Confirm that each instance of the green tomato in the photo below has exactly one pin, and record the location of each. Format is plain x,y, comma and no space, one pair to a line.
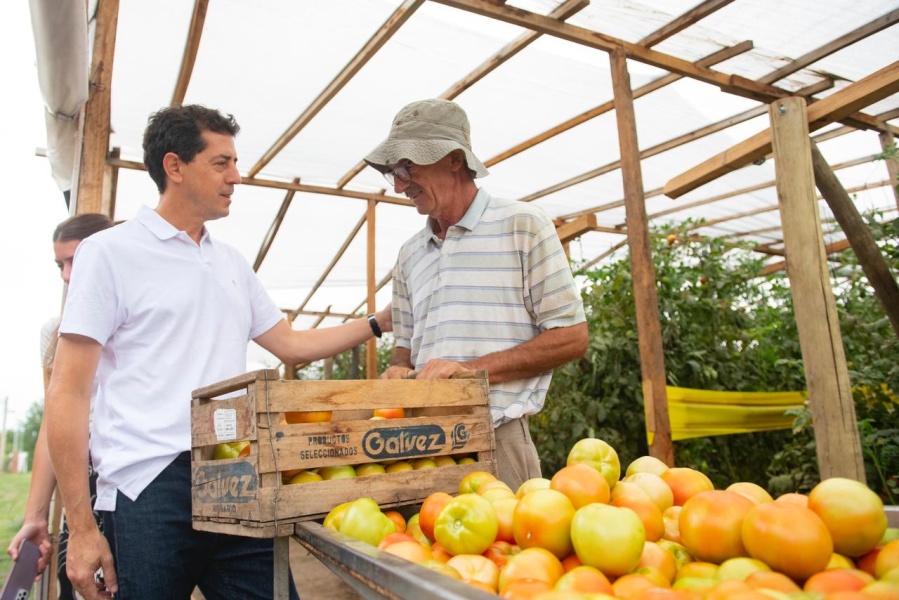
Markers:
467,525
364,521
608,538
333,519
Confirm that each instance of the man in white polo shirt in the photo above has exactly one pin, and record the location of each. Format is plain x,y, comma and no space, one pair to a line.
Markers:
486,283
157,309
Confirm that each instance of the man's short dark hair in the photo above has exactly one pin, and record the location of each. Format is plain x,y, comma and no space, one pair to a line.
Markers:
179,129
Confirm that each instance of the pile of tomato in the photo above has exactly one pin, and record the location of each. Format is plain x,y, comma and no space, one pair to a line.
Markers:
657,533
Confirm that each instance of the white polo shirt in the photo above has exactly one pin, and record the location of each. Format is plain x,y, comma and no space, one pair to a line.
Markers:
172,316
499,279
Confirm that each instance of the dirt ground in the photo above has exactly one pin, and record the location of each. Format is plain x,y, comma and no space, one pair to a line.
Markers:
314,580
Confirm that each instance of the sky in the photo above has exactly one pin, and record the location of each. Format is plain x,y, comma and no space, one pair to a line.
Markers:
32,206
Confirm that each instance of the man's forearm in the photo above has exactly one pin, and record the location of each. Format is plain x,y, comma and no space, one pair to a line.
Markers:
550,349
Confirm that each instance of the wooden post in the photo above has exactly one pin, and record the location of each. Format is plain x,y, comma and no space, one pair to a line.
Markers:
371,347
826,374
649,330
888,141
859,235
282,568
91,167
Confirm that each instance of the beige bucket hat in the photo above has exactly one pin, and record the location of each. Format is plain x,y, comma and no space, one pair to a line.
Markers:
424,132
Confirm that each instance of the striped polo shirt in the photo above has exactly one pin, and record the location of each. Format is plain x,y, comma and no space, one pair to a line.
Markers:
498,279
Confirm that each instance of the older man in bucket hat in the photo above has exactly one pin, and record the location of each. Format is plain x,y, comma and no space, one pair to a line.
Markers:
485,285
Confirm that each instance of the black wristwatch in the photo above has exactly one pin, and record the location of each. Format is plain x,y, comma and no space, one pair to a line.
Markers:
375,328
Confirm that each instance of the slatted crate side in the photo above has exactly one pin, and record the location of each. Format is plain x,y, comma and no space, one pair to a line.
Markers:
233,384
309,395
311,445
204,413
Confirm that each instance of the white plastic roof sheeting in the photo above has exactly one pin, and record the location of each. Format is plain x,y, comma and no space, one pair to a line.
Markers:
266,61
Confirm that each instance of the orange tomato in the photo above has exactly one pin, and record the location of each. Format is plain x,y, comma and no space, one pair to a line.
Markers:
475,567
657,557
793,498
584,580
837,580
542,518
389,413
430,508
314,416
853,514
571,561
524,589
655,487
771,580
392,538
788,538
671,523
412,551
397,518
582,484
531,563
631,584
887,559
505,515
630,495
686,483
711,522
439,553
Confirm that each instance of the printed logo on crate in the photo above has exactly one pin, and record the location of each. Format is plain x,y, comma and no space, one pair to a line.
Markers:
232,483
417,440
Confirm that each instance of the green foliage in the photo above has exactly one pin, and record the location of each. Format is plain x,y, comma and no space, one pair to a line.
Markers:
351,364
723,328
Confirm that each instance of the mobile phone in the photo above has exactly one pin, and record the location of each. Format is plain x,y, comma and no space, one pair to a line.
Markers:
21,578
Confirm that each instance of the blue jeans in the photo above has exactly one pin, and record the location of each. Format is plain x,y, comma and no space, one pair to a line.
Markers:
158,554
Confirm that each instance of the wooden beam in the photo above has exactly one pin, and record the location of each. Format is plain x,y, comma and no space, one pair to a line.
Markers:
649,330
888,144
859,234
371,47
836,45
191,47
91,166
371,346
561,12
649,152
274,227
285,185
657,84
691,17
827,376
835,107
575,229
829,249
110,185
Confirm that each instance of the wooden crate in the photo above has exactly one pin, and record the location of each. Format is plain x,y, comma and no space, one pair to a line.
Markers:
246,496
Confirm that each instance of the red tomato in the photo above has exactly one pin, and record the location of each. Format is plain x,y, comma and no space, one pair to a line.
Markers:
853,514
542,518
788,538
711,522
466,525
430,508
500,552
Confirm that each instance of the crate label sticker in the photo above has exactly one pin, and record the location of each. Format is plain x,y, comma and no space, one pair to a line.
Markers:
225,424
417,440
233,483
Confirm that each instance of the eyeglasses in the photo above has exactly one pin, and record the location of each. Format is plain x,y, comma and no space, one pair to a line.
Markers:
400,172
